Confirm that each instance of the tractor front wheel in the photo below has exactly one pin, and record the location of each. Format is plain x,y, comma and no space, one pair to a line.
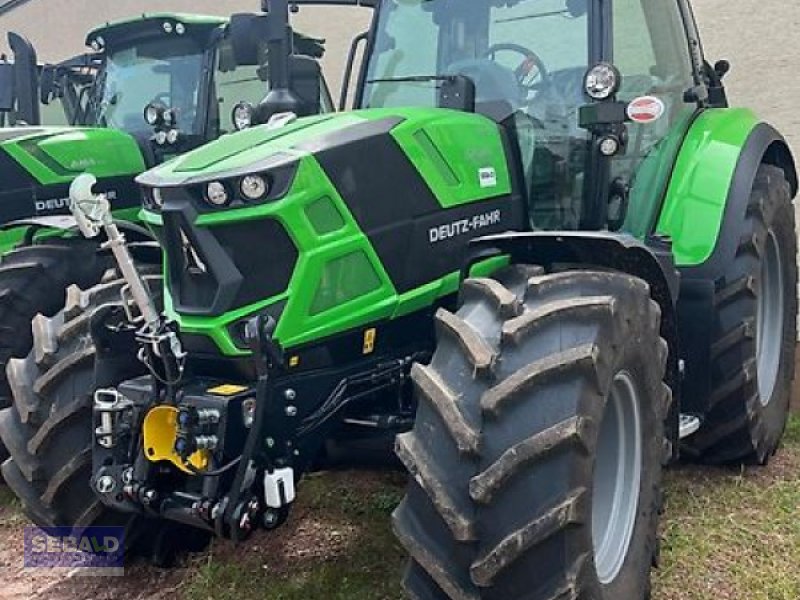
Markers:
536,455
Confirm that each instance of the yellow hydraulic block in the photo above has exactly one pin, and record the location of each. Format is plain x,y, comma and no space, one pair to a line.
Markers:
160,432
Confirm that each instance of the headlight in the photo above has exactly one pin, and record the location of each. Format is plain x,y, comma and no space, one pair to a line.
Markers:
153,114
217,194
242,115
602,81
160,137
172,136
254,187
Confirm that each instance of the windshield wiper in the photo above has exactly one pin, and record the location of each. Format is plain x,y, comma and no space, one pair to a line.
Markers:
414,79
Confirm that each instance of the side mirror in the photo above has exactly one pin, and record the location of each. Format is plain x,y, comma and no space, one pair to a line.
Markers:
6,87
47,84
247,33
305,76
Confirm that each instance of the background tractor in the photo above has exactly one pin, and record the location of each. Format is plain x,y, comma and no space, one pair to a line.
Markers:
152,87
542,256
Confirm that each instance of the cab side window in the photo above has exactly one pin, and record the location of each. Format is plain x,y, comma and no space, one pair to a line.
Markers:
651,51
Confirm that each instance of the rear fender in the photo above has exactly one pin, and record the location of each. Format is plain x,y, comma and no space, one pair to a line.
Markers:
712,179
703,215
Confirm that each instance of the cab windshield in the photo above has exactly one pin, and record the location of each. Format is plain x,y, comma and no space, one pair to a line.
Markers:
133,77
527,59
509,49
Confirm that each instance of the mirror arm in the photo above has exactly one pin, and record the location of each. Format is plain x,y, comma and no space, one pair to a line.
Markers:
348,70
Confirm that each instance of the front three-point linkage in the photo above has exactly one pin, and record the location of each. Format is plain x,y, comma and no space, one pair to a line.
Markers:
161,349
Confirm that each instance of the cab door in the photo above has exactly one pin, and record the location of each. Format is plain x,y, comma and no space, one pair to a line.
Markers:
651,50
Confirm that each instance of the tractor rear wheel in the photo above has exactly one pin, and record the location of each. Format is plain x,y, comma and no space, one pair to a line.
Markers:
536,455
48,429
752,356
34,280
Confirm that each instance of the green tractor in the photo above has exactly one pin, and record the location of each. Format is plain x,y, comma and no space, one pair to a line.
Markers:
152,87
542,257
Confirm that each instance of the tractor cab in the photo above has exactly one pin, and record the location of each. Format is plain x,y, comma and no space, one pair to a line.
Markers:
172,81
541,68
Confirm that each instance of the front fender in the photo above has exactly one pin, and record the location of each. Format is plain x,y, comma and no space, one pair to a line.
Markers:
712,178
651,261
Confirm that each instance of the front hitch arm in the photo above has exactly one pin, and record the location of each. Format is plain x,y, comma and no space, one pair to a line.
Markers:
92,213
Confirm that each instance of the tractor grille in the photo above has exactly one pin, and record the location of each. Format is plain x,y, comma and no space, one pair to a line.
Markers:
263,253
217,269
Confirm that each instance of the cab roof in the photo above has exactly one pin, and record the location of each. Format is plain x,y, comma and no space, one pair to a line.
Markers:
148,24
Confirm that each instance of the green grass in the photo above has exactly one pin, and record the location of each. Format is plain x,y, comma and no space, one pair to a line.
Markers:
728,535
338,546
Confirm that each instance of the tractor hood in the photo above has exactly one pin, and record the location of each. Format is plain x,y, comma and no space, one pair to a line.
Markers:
249,150
39,163
361,216
426,135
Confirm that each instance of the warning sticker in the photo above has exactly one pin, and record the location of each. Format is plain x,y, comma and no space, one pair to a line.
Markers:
226,389
645,109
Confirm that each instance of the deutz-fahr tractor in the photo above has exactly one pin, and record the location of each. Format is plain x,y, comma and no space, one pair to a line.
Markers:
151,88
542,256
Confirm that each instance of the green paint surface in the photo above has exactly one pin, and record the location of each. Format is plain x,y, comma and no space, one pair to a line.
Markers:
339,282
58,155
698,191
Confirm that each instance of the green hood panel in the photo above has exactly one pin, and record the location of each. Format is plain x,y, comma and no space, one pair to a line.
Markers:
57,155
441,144
345,276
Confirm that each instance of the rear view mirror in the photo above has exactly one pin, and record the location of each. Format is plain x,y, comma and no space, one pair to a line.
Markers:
247,33
6,87
47,84
305,76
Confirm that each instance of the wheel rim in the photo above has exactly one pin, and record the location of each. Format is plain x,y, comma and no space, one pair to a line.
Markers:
617,478
769,320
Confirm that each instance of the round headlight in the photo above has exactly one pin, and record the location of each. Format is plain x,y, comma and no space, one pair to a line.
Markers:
242,115
180,29
160,137
602,81
609,145
217,194
254,187
172,136
167,27
153,113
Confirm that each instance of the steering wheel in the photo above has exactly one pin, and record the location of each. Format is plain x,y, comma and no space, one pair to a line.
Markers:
531,72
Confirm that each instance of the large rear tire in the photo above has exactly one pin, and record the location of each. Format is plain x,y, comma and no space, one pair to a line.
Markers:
537,450
34,280
755,332
48,429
